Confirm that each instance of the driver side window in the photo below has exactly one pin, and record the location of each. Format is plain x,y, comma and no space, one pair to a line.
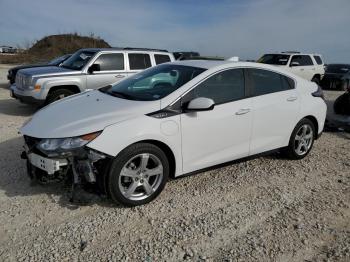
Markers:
223,87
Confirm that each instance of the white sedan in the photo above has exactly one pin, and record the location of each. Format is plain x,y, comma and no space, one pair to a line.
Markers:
130,138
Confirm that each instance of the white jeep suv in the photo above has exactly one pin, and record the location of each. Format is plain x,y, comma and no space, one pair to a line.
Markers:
171,120
308,66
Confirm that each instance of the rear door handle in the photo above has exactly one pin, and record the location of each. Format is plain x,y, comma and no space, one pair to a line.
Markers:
292,98
119,76
243,111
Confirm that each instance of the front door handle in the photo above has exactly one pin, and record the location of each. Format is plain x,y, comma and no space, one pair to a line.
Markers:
119,76
243,111
292,98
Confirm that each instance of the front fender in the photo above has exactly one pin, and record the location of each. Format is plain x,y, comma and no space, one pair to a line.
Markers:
117,137
47,84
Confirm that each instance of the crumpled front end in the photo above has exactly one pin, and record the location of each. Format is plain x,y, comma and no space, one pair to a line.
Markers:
50,161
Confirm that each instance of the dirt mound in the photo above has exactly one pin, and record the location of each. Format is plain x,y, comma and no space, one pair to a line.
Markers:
54,45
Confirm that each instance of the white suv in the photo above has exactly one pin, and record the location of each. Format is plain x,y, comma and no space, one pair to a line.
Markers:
171,120
308,66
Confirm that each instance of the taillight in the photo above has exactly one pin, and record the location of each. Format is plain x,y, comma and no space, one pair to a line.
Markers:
318,92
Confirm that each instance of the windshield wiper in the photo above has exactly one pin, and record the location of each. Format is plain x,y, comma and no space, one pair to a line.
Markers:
121,95
104,89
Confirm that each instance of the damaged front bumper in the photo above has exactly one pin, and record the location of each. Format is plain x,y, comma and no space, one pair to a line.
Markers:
81,165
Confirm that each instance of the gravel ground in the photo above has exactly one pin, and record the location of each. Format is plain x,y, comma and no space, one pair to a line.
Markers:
266,209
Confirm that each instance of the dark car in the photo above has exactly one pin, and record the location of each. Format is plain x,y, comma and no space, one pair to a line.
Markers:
185,55
333,76
11,76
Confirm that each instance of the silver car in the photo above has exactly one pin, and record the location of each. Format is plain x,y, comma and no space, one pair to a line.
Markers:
86,69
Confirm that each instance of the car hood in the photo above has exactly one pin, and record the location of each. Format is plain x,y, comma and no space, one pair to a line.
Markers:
16,68
334,75
48,71
83,114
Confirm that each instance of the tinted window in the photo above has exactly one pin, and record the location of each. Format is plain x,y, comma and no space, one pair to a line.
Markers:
272,59
318,59
303,60
265,82
222,88
161,59
139,61
110,62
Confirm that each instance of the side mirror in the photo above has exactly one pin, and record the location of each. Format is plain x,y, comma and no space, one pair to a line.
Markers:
200,104
294,64
94,68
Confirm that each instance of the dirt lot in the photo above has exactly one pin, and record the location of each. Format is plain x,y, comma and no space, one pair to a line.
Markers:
266,209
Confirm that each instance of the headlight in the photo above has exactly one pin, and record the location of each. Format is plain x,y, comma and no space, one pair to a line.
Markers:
64,144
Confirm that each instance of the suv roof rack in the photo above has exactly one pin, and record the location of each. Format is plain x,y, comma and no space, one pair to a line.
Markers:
290,52
145,49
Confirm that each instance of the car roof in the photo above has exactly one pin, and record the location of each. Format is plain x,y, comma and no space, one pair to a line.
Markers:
291,53
128,49
207,64
210,64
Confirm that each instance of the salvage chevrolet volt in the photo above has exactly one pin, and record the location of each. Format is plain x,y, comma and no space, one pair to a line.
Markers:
173,119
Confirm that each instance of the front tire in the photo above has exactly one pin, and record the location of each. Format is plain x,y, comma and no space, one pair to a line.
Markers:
316,79
138,175
58,94
301,140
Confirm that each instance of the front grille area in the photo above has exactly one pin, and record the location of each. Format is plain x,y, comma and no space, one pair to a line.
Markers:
22,81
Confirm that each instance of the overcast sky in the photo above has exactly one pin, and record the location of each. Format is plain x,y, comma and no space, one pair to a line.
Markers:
245,28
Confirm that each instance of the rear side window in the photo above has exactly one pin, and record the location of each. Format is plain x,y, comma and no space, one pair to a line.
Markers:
318,59
139,61
302,60
266,82
274,59
110,62
223,87
161,59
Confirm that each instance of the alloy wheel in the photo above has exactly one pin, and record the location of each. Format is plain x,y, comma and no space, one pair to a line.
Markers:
141,176
303,139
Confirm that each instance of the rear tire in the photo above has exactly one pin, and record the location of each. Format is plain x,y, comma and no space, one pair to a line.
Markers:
137,175
301,140
58,94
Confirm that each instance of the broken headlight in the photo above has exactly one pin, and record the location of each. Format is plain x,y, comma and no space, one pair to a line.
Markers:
52,144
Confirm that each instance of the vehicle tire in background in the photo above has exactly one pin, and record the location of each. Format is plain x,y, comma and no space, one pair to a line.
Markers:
341,105
316,79
58,94
301,140
138,174
344,85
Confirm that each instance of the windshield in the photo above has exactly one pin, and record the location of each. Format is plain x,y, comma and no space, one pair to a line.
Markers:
58,60
154,83
339,69
274,59
78,60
